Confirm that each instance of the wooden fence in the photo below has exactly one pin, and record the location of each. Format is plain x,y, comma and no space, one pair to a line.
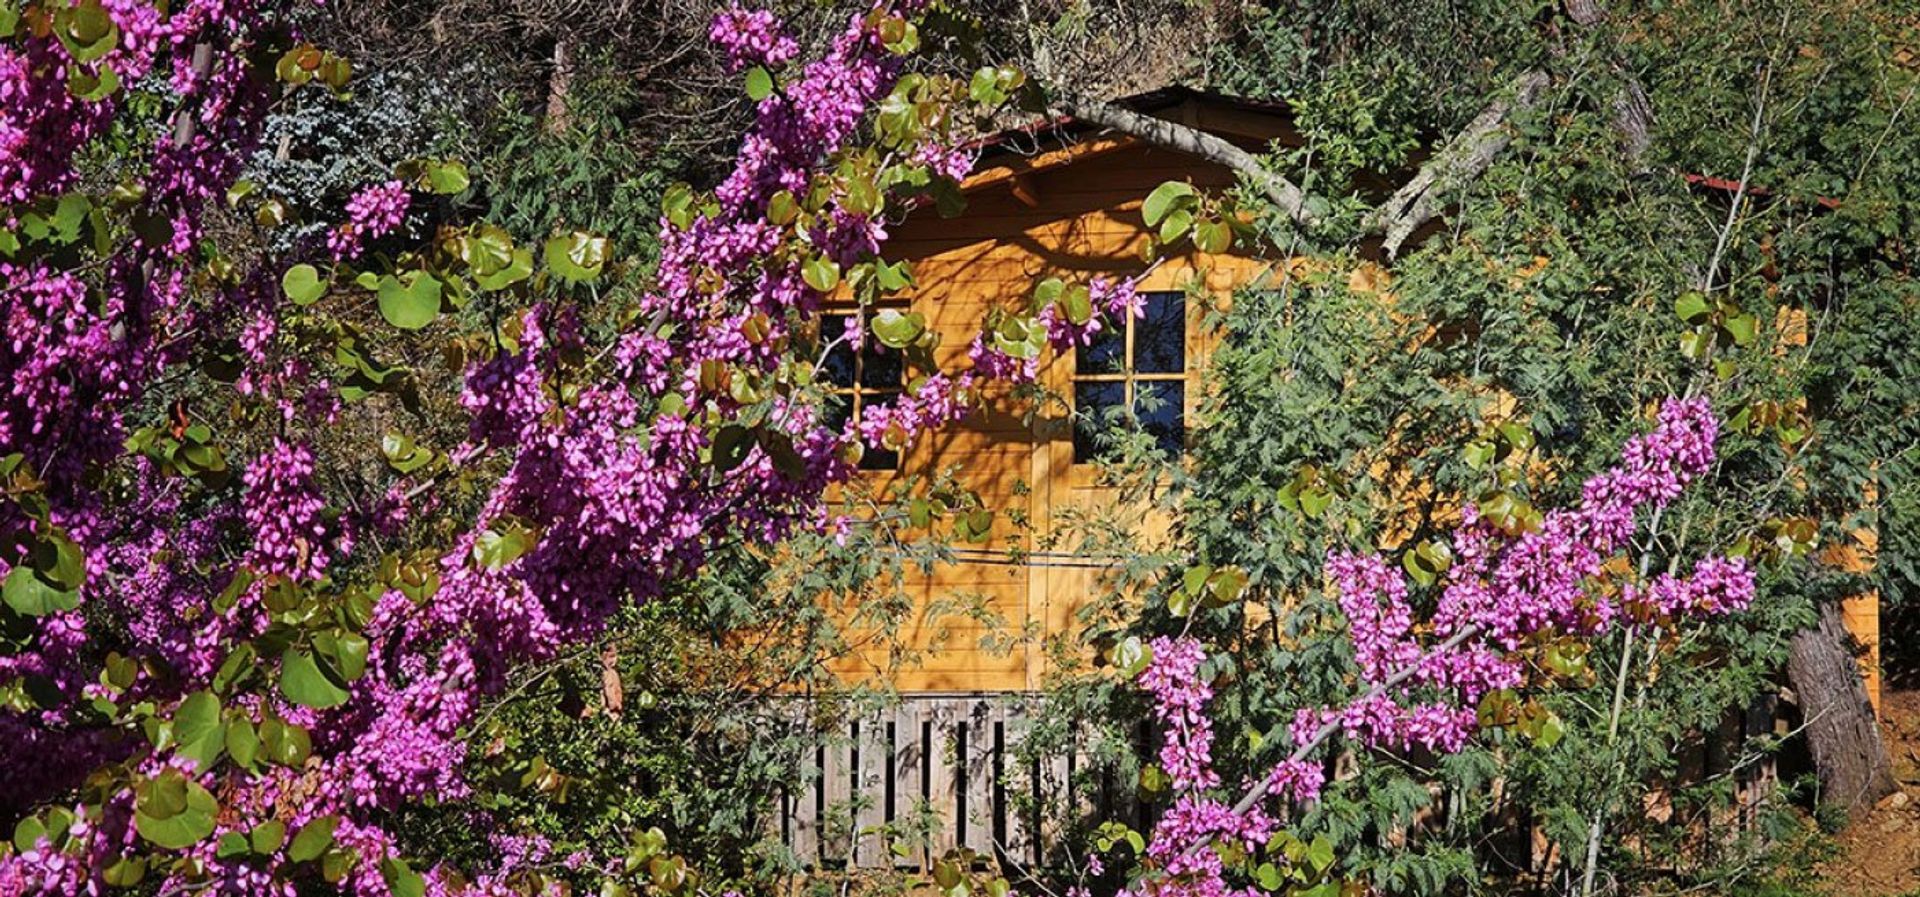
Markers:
934,774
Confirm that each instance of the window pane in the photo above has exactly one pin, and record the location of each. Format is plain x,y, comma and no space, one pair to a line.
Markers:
835,411
1160,338
1106,355
837,369
879,366
1161,407
877,457
1094,405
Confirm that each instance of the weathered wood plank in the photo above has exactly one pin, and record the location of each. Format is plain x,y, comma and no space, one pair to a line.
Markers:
943,780
836,772
870,790
977,810
909,758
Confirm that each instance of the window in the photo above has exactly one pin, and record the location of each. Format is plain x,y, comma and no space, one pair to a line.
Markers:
869,378
1136,372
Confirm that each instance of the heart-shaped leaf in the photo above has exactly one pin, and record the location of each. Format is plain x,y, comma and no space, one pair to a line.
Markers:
412,302
303,284
305,683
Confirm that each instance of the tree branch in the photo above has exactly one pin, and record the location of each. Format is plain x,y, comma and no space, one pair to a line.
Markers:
1192,141
1462,159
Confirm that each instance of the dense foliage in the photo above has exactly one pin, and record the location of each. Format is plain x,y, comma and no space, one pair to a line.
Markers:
407,493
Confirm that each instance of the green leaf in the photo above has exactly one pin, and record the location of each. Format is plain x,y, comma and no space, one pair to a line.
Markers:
198,732
1175,225
243,743
287,744
985,87
304,683
410,303
1742,328
1320,854
1077,303
577,257
93,86
448,177
401,879
87,31
1165,198
346,650
1693,307
313,839
27,833
1131,655
173,812
267,836
31,595
898,329
232,844
303,285
1213,236
759,84
494,549
731,446
518,268
822,274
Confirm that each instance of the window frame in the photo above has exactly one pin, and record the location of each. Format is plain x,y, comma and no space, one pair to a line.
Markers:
856,393
1130,376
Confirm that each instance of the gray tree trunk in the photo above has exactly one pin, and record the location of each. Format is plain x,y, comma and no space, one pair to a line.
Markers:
1842,734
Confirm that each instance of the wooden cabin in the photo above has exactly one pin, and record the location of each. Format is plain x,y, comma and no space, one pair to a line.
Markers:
1055,200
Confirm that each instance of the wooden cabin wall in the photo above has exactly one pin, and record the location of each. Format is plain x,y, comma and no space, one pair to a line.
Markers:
1085,220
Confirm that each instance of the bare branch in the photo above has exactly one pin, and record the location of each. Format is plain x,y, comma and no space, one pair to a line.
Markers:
1192,141
1463,158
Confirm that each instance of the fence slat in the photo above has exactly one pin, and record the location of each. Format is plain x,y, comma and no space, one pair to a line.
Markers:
870,791
1022,787
977,796
909,754
943,780
836,787
804,806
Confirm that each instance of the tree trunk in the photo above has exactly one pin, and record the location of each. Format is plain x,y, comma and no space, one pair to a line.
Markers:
1842,734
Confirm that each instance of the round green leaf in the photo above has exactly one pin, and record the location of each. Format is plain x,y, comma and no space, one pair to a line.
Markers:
198,732
759,84
1165,198
303,284
304,683
314,839
576,256
412,303
29,594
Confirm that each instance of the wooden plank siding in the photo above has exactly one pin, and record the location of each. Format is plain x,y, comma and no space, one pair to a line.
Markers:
1086,222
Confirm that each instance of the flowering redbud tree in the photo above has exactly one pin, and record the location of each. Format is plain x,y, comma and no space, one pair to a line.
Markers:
1429,684
232,684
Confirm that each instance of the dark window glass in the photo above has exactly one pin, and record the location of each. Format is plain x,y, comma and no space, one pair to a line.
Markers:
1160,406
1106,355
838,368
1160,338
1094,408
879,367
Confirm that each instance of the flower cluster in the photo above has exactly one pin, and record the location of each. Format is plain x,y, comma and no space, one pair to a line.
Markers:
1180,702
752,37
372,213
283,512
